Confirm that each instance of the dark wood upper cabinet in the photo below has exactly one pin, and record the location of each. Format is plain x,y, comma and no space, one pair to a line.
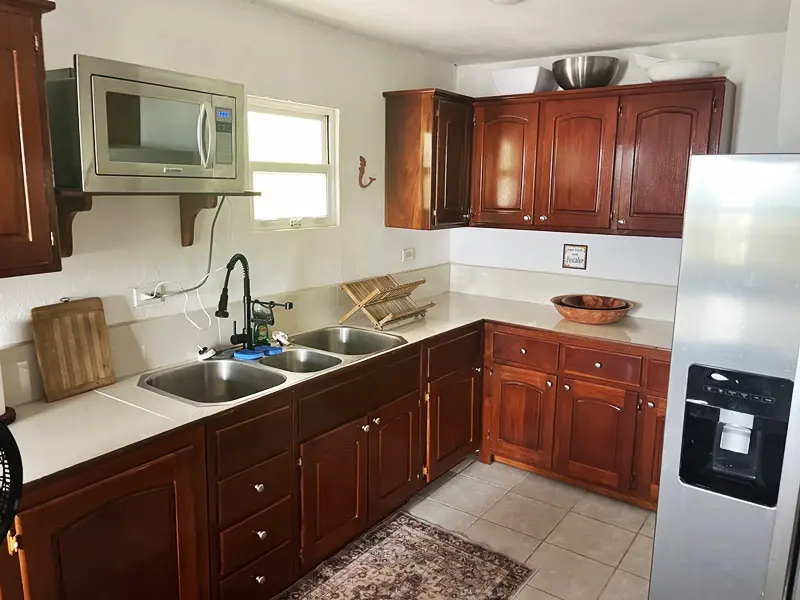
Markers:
453,419
504,163
27,204
649,446
428,145
522,415
130,528
658,134
395,455
333,490
576,163
595,433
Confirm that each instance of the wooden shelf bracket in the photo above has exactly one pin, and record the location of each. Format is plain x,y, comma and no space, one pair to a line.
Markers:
191,206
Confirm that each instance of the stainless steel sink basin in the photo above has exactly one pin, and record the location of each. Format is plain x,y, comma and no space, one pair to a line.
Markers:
348,340
301,361
212,382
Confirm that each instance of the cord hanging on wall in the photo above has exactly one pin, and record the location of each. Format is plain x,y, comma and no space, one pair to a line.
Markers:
361,170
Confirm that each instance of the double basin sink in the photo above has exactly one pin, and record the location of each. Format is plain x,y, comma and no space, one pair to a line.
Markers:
218,381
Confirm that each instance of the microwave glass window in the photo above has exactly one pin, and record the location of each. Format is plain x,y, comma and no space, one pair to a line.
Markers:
280,138
152,130
290,195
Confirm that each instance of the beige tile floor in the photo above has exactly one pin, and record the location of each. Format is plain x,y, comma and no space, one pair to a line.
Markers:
582,546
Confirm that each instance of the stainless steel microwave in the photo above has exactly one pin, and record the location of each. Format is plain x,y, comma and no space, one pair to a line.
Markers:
117,127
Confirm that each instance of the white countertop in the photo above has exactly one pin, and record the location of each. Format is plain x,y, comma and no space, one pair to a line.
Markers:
56,436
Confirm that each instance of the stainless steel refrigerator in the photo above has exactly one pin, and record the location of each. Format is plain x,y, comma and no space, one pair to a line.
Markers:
728,498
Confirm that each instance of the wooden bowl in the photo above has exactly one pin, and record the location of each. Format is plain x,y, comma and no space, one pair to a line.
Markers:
591,310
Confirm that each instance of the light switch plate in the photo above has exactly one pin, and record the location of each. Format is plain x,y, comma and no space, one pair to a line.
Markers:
409,254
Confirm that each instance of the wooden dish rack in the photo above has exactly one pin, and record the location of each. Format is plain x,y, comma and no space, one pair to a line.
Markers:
384,301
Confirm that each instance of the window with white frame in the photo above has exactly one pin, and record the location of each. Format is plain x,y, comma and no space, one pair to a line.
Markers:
293,163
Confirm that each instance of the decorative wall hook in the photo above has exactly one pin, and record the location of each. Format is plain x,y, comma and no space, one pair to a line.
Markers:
361,171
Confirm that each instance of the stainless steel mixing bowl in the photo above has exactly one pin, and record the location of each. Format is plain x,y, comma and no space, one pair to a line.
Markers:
578,72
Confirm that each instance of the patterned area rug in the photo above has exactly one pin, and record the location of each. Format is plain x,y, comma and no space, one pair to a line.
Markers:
407,559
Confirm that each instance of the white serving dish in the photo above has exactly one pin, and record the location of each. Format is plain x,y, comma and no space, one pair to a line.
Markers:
645,62
670,70
524,80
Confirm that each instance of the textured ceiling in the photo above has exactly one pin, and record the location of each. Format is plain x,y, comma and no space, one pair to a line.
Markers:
469,31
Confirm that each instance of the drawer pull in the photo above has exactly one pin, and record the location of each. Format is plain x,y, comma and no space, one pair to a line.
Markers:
260,579
258,487
650,405
261,534
365,427
549,384
566,387
377,420
523,351
598,365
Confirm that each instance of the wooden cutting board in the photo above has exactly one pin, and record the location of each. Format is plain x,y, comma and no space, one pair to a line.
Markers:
71,341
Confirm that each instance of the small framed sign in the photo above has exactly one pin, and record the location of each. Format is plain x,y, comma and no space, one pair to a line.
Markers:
575,256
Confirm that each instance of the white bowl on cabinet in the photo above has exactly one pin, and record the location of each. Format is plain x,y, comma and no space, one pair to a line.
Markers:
524,80
670,70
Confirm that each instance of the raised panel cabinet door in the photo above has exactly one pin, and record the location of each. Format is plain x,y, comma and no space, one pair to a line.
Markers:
523,415
26,192
504,163
453,156
658,134
453,419
333,490
395,455
134,535
576,163
595,433
650,446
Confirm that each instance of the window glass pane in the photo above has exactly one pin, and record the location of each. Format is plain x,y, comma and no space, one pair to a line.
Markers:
290,195
284,139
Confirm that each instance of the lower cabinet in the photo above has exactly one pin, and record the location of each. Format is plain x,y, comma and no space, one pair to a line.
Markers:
333,490
395,455
357,474
133,527
453,419
595,433
522,417
649,445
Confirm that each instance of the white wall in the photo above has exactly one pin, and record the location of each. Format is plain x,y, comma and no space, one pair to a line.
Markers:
754,63
789,115
127,241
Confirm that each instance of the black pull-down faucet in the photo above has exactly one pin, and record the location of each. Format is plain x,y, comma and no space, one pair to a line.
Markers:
246,337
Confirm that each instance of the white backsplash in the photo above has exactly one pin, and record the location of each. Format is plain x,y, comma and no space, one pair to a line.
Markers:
652,301
161,341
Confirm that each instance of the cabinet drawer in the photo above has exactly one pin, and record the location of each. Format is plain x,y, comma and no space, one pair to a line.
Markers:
463,351
262,579
603,364
657,376
251,442
526,351
242,543
238,497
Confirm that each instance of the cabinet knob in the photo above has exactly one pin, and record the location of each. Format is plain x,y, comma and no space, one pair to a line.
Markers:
523,351
365,427
260,579
377,420
567,387
549,384
543,218
650,405
527,217
262,535
598,365
465,217
259,487
621,221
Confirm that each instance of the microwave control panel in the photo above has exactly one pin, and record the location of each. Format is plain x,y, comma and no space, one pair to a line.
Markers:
224,126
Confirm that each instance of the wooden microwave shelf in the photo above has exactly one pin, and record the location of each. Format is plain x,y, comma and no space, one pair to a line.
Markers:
384,300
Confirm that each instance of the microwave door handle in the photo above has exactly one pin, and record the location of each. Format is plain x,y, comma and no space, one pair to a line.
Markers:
212,135
201,145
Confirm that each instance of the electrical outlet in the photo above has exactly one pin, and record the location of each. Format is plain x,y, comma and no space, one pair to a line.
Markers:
409,254
143,295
